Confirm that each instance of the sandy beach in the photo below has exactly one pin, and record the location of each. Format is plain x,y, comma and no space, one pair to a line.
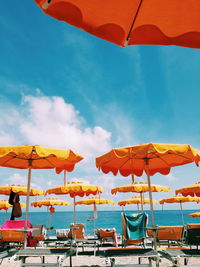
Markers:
80,261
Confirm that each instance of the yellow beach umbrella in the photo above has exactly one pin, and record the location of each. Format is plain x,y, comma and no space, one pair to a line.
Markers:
21,190
190,190
35,157
195,214
136,200
140,187
4,205
180,199
75,189
50,202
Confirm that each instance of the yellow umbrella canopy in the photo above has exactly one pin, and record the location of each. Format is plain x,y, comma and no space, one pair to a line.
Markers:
75,189
20,189
190,190
35,157
4,205
136,200
195,214
50,202
94,200
180,199
140,187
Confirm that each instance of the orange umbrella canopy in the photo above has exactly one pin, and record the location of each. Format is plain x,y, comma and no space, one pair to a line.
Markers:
4,205
75,189
136,200
129,22
195,214
191,190
20,189
179,199
50,202
93,201
140,188
158,157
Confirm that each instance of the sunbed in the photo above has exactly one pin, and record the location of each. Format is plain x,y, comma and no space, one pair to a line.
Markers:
192,239
107,236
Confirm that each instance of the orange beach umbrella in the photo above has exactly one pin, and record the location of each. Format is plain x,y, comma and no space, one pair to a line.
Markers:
195,214
190,190
50,202
180,199
75,189
136,200
35,157
129,22
150,158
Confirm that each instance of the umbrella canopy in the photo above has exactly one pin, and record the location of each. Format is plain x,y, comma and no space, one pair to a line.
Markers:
94,200
75,189
20,189
190,190
36,157
4,205
140,187
128,22
50,202
150,158
195,214
180,199
136,200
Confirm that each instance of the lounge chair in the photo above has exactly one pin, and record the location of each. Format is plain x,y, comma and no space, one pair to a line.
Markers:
107,236
169,235
76,234
192,239
133,229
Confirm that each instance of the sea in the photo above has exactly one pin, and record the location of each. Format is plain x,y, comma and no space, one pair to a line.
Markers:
105,219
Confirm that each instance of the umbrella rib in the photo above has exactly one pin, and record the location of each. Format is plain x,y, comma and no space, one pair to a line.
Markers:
134,19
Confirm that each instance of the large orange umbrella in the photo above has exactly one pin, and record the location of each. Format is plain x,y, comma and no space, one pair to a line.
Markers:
36,157
150,158
75,189
129,22
180,199
190,190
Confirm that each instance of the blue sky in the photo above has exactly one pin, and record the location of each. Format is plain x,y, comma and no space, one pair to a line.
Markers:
61,87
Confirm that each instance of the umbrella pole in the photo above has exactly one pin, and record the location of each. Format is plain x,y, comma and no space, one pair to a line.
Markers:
27,203
151,203
141,197
74,211
65,175
182,212
137,206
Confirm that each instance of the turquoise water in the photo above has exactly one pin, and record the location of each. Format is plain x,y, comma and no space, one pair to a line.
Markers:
106,219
